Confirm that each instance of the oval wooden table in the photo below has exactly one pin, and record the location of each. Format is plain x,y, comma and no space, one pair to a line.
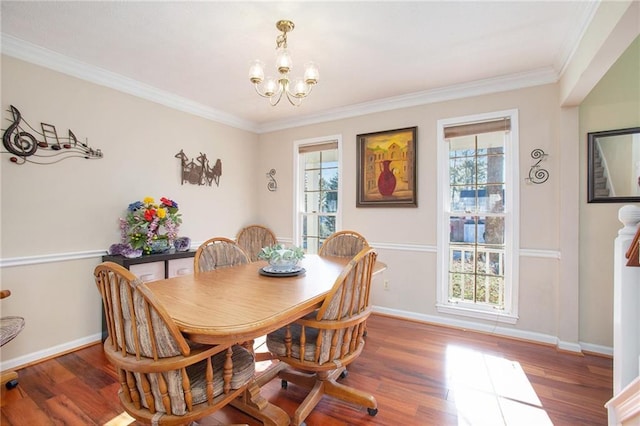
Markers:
238,304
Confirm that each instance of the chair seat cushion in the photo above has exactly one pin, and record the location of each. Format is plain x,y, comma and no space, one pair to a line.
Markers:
276,345
10,327
243,371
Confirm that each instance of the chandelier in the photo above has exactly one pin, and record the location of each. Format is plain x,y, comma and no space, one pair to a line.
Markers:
275,88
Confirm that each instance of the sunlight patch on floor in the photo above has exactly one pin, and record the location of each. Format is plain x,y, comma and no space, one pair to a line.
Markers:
490,390
123,419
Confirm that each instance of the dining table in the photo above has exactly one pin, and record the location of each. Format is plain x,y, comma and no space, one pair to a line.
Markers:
241,303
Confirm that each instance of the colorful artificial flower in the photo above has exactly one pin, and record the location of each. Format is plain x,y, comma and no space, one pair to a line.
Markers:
147,222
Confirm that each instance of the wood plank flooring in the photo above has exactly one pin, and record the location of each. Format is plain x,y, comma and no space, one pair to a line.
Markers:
420,374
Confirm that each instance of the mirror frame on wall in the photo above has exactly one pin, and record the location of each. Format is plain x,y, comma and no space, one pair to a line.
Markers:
593,139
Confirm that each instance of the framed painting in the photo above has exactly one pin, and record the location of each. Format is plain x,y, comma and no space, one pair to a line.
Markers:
386,169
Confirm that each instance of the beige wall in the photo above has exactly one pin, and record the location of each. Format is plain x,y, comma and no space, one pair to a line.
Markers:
73,206
613,104
406,237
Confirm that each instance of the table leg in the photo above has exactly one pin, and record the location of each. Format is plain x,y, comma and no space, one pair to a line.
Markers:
254,404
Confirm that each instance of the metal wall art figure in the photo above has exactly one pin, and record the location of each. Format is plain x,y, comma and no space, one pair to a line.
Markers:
200,172
50,149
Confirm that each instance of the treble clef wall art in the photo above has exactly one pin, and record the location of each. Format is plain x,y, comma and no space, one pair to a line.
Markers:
26,148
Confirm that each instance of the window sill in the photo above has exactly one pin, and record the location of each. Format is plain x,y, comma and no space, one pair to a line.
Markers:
477,313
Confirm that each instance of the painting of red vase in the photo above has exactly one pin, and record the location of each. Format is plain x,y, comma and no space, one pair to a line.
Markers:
387,168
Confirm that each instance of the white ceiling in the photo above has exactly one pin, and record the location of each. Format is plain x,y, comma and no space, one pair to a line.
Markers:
369,53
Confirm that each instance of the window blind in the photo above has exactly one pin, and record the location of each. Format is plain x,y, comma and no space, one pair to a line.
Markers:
501,125
303,149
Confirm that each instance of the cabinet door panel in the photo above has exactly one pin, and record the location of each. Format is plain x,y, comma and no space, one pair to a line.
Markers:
182,266
151,271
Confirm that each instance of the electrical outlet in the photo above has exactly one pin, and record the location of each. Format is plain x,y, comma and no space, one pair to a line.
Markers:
386,285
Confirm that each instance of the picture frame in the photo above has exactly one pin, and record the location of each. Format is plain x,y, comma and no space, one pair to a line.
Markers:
387,168
613,169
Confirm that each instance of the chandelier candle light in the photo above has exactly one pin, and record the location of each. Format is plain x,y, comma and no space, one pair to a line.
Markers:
273,89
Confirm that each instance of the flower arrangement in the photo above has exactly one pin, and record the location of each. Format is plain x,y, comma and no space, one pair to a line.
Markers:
146,220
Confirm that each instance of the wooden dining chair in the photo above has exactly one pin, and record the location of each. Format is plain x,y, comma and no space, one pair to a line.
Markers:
343,243
164,379
218,252
318,348
253,237
10,327
221,252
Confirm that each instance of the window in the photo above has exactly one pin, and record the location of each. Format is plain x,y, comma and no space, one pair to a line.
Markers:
317,194
478,217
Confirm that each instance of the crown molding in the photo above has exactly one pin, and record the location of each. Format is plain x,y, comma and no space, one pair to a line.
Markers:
466,90
37,55
568,52
29,52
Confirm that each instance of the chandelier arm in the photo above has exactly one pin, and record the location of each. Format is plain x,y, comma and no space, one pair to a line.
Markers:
307,93
255,85
277,100
294,100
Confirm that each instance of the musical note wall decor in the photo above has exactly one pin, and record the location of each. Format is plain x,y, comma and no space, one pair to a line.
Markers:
200,173
27,148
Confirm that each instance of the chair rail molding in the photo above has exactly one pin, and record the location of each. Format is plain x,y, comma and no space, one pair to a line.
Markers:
50,258
67,256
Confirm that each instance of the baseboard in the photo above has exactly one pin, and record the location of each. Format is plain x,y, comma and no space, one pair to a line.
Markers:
597,349
39,356
497,330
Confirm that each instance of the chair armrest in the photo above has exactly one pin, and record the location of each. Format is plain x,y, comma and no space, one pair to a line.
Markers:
335,324
148,365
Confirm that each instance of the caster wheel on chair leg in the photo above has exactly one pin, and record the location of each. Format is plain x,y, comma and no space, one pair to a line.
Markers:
284,384
344,374
11,384
372,411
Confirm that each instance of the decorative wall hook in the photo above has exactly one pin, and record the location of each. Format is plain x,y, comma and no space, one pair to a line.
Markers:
537,174
199,173
272,185
50,149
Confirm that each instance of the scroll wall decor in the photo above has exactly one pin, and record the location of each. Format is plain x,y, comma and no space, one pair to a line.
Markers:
45,148
537,174
198,171
272,185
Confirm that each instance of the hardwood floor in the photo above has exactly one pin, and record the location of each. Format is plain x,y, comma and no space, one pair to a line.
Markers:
420,374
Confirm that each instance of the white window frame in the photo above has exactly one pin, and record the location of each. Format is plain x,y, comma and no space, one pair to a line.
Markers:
298,196
512,222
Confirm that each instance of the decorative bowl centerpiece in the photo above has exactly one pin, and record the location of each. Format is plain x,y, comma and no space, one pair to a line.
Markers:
281,258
